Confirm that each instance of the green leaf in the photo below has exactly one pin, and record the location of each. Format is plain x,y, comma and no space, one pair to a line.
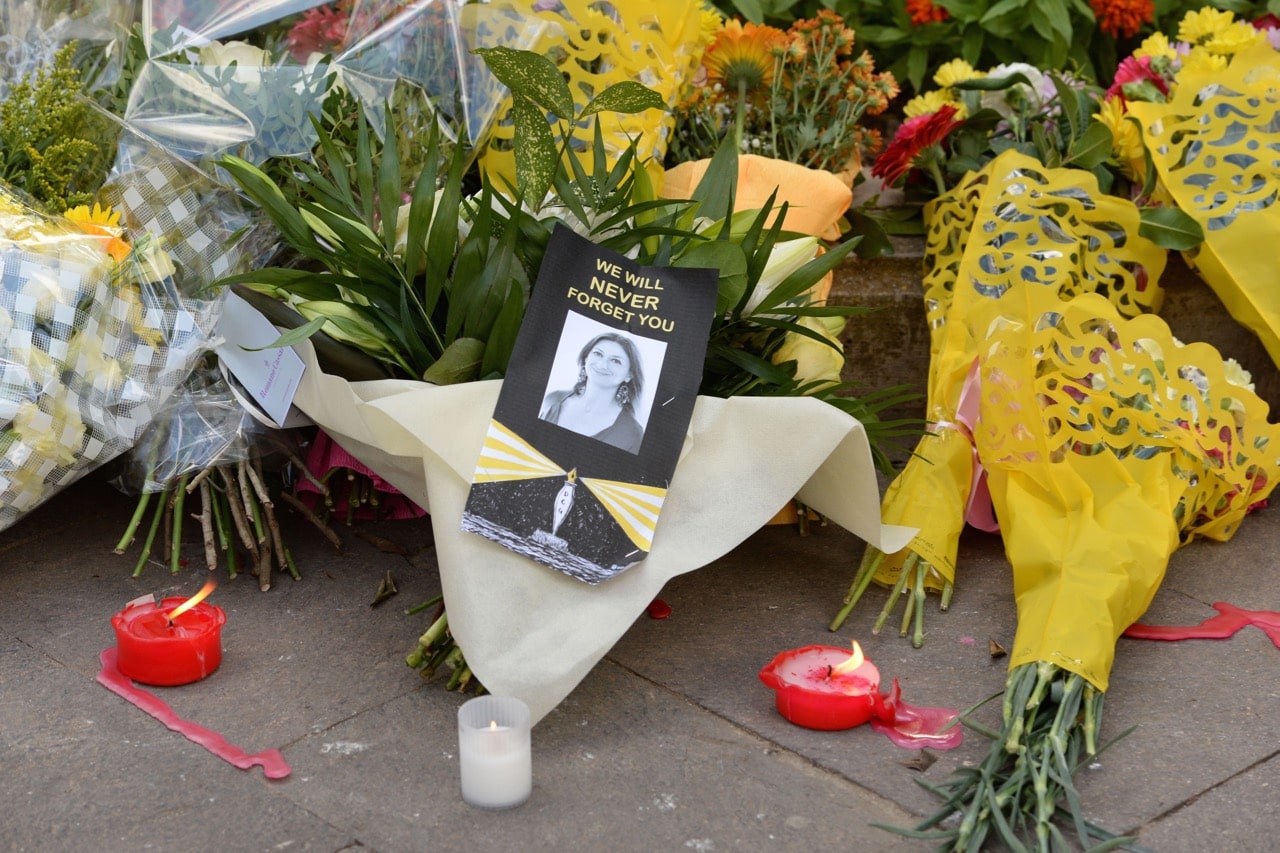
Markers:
719,184
1003,7
293,336
460,362
535,152
731,263
625,97
389,188
1170,228
530,75
1092,148
364,167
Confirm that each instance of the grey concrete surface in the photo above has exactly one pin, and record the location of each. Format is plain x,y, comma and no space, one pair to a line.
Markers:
670,743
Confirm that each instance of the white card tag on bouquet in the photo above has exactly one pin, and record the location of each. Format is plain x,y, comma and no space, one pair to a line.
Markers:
594,409
270,376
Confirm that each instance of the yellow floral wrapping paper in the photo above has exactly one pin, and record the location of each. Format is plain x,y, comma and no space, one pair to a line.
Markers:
1108,443
1007,243
1216,147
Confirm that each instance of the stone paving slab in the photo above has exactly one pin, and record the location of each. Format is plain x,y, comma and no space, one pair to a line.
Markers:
670,743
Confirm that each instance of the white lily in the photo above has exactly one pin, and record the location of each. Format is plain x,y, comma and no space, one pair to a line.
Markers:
784,259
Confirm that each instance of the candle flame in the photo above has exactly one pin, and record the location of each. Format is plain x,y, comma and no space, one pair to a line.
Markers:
191,602
855,660
493,725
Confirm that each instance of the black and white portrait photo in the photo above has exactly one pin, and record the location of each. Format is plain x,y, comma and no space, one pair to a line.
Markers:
598,386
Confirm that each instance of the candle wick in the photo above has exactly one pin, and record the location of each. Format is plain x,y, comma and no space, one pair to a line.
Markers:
829,668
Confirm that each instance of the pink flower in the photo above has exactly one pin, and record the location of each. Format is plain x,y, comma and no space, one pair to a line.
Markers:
1134,72
321,30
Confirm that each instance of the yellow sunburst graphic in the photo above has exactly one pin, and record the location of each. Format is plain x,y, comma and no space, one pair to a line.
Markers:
507,456
634,507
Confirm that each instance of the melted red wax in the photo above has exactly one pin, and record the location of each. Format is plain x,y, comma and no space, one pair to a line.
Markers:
1229,620
913,727
659,609
270,760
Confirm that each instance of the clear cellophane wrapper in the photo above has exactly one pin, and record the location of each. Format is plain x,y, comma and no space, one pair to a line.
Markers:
99,326
203,93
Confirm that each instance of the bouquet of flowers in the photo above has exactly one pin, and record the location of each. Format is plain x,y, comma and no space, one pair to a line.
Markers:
798,95
437,296
1108,443
1193,119
94,335
1009,244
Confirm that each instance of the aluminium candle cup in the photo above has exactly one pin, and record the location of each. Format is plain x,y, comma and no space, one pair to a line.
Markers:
494,752
150,651
807,695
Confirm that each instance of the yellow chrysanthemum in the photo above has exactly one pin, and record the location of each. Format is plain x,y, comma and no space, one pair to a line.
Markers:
1234,39
1156,46
1203,61
1200,26
709,24
1126,139
741,58
956,71
931,102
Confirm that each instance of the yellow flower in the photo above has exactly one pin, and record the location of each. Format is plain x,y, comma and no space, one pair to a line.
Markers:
1156,46
56,435
956,71
87,355
102,222
1235,374
815,361
741,58
136,316
1234,39
931,102
1200,26
709,23
1126,138
151,263
1202,61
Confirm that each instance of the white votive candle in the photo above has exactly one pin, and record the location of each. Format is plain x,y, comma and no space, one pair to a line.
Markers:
495,752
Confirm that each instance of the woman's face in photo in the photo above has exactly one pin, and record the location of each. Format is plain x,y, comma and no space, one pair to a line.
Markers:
607,364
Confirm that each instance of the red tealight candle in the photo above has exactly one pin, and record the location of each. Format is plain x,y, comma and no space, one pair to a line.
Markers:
174,642
824,687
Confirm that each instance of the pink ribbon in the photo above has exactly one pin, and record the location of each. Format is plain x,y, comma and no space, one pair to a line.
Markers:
270,760
979,512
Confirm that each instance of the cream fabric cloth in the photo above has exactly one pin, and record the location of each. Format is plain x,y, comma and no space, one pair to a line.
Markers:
531,632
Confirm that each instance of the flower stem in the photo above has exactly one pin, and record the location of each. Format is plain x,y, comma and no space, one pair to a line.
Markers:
896,593
871,560
127,539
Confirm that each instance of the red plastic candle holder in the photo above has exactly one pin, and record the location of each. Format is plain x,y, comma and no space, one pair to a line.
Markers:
811,692
153,649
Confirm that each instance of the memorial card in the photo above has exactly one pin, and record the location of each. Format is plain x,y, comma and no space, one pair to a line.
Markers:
594,409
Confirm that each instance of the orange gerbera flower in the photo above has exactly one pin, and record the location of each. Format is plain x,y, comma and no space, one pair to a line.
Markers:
742,56
924,12
1123,18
